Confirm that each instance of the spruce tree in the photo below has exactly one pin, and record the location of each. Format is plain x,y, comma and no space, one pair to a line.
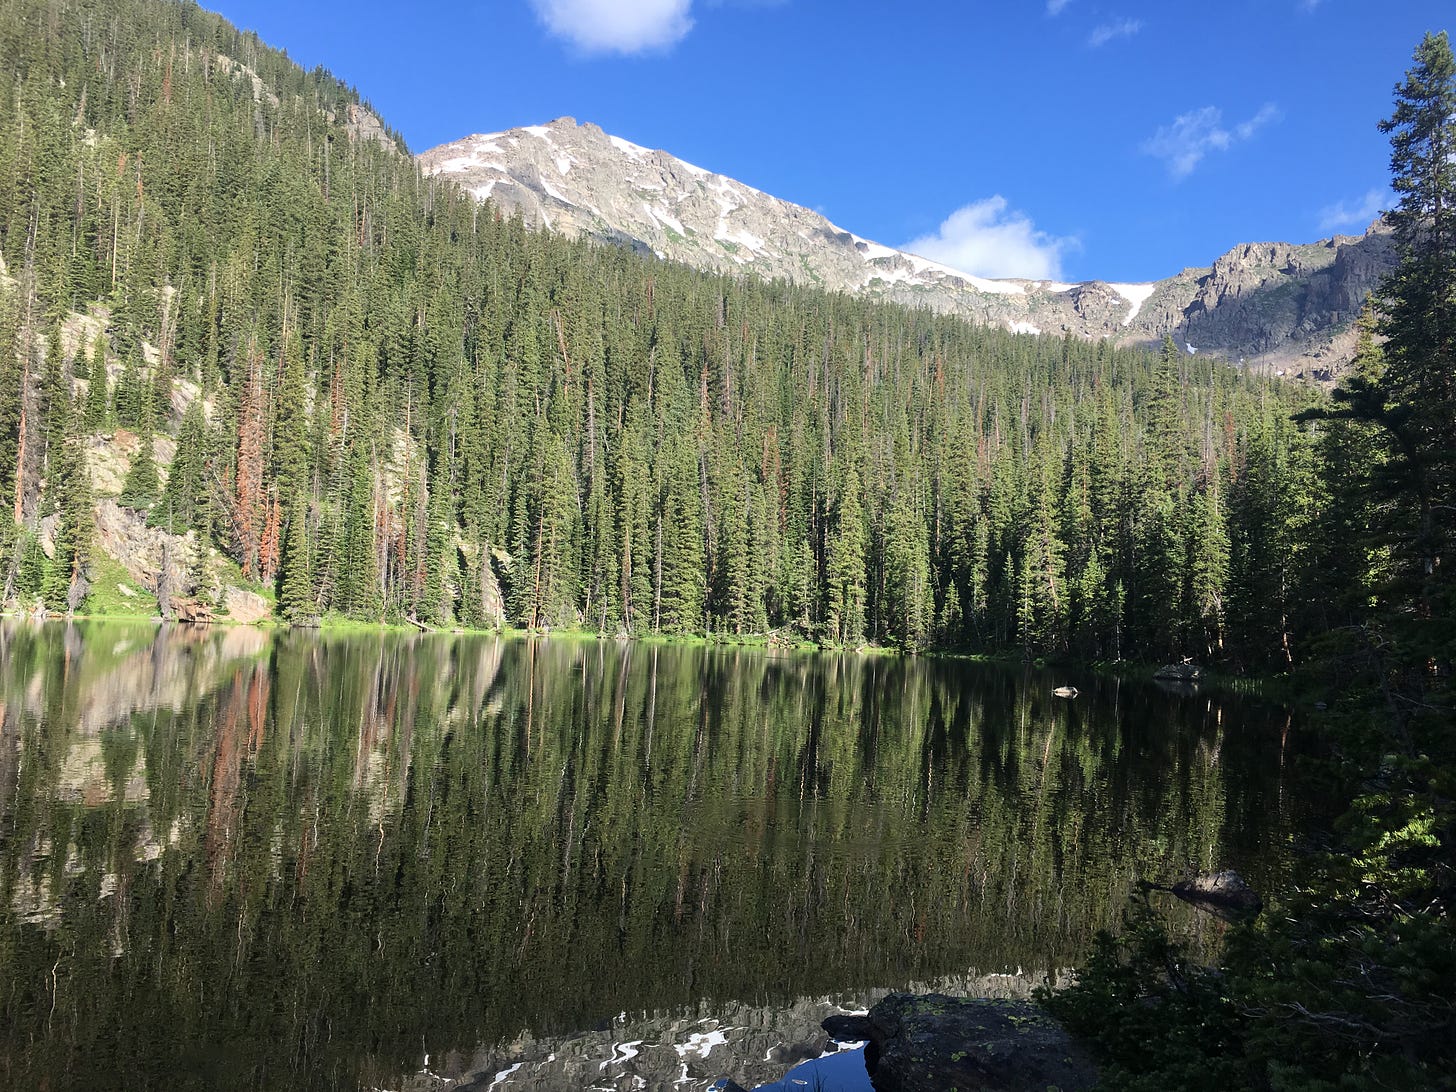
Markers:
1418,388
132,392
142,484
184,499
97,410
68,577
291,434
295,592
844,610
10,384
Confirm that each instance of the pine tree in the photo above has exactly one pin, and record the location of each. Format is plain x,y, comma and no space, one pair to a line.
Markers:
98,401
132,392
248,495
907,575
295,595
184,500
143,484
58,409
68,577
291,434
844,610
1417,392
10,385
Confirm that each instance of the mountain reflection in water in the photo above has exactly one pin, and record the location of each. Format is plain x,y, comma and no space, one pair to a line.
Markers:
238,859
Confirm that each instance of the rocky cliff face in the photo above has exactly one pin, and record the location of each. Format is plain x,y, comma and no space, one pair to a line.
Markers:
1276,306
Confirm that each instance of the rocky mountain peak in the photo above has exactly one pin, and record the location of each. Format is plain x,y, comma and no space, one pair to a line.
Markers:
1276,305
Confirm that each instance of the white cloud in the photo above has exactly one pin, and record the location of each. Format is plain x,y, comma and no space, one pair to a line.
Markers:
1124,28
1267,113
617,26
1357,214
985,239
1183,144
1056,7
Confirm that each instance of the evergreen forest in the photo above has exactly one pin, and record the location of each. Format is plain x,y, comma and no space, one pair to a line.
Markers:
389,403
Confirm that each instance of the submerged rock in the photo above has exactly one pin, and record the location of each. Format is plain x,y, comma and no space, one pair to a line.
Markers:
932,1043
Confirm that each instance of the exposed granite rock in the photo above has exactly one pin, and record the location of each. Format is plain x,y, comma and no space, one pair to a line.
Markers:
654,1053
164,565
362,124
932,1043
245,606
156,560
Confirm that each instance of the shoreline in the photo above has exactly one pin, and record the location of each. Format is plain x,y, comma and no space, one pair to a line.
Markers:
1284,689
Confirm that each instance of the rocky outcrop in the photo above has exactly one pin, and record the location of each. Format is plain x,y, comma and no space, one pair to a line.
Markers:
1283,305
1277,306
363,124
153,558
933,1043
167,567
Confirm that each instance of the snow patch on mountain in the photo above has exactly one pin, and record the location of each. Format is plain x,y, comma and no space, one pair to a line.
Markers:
628,149
980,284
1135,294
552,191
874,250
483,191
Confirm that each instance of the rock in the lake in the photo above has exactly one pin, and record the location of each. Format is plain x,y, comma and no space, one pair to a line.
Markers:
932,1043
1179,673
1225,894
848,1028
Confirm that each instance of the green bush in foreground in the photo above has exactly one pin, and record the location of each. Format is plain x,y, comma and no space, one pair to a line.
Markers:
1345,985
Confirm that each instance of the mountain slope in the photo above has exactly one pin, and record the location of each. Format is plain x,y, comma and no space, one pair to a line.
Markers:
1273,304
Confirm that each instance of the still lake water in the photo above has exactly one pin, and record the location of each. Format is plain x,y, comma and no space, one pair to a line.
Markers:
238,859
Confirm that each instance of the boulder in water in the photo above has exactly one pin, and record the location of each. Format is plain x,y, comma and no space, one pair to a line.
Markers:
1225,894
1178,673
932,1043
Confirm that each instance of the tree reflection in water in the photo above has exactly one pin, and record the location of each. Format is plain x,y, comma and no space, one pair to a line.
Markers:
243,860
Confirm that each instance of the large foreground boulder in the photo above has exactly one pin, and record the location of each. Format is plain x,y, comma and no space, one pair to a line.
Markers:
934,1043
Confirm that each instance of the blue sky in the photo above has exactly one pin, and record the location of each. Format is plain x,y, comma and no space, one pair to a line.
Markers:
1075,139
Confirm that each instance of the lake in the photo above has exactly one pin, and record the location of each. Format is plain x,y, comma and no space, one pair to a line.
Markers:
236,859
